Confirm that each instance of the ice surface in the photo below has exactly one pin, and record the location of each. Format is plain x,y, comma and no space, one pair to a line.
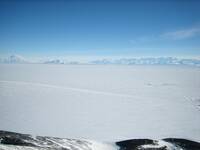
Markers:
100,102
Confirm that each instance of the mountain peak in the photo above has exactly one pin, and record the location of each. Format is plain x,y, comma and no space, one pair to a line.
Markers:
15,59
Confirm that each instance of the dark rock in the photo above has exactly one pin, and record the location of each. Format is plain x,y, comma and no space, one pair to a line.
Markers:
183,143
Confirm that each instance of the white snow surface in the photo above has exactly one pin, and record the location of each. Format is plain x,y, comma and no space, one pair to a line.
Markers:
100,102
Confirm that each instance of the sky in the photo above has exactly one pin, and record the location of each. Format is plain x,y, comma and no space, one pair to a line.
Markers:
136,28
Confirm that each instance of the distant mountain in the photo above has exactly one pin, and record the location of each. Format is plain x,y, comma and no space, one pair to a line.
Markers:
14,59
102,61
149,61
17,59
56,61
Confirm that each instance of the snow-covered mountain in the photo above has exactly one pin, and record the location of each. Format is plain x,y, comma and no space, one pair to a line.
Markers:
16,141
149,61
14,59
55,61
123,61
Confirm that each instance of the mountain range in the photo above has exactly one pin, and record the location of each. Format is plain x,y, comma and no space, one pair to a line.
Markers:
17,59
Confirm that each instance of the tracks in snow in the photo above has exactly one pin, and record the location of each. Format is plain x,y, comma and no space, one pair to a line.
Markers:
69,88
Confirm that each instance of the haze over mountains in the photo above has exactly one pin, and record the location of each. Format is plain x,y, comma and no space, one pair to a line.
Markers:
17,59
13,59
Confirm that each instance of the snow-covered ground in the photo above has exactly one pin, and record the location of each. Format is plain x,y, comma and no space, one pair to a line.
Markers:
100,102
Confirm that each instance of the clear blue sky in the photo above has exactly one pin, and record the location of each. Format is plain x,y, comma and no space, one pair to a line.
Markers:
103,27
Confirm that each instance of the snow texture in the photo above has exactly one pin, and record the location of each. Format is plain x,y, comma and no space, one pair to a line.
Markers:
99,102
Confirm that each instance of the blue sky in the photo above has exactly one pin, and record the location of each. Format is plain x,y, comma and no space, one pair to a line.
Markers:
38,28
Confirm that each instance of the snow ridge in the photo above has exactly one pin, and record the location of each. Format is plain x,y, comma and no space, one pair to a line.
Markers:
17,141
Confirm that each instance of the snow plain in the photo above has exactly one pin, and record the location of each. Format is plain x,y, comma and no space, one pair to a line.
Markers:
101,102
